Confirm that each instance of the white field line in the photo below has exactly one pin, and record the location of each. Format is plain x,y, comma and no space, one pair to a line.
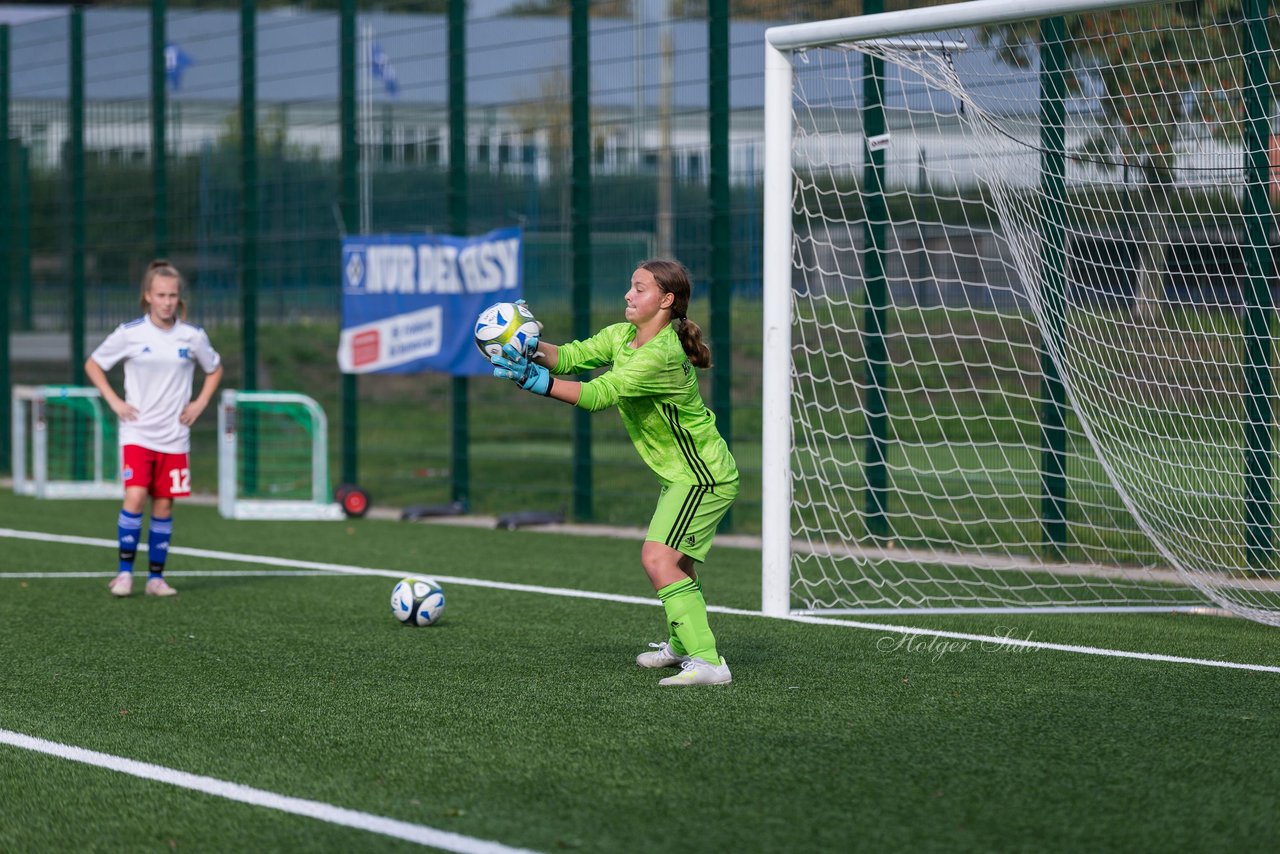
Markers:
989,640
907,631
333,568
183,573
418,833
1011,563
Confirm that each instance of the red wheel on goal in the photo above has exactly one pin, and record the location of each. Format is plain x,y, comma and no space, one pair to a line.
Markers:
354,500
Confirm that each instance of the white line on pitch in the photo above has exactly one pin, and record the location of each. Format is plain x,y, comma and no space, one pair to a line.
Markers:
334,568
639,600
183,573
418,833
1028,644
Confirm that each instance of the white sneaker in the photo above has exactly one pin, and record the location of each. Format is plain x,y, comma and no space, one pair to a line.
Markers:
159,587
695,671
664,657
121,585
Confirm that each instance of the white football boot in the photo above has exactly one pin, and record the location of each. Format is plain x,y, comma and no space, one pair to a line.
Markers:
663,657
695,671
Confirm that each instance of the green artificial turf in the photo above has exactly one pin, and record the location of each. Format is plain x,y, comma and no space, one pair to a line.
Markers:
522,719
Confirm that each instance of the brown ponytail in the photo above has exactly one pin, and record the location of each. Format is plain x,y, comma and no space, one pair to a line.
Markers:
673,278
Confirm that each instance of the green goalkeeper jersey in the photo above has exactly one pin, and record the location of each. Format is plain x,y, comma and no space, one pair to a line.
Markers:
656,390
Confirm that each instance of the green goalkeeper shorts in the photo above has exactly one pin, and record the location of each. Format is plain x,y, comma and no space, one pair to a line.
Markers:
687,516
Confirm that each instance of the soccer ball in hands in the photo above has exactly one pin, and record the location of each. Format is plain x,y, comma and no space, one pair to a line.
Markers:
417,601
505,323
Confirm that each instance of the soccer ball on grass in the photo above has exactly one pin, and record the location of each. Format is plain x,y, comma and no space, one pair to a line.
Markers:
417,601
505,323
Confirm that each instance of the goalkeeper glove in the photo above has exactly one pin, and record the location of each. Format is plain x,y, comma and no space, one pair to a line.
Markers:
513,365
531,343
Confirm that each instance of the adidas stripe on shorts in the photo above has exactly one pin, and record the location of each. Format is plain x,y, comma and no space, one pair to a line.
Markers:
687,516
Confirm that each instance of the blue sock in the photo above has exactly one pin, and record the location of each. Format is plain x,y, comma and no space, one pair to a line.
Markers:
158,544
128,531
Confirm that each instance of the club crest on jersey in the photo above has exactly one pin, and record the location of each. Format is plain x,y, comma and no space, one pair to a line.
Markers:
184,353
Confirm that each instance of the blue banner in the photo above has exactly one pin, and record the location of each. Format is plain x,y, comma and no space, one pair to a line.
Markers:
410,301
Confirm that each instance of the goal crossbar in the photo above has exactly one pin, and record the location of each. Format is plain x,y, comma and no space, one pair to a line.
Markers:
976,13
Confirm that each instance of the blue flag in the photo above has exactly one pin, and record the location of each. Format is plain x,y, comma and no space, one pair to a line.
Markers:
382,69
176,61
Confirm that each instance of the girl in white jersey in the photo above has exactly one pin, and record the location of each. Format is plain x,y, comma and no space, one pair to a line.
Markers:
160,351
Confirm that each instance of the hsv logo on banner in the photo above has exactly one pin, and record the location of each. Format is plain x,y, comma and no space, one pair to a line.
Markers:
409,301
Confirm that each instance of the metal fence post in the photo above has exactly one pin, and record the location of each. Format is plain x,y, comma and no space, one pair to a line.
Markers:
7,243
1259,511
580,227
159,145
1053,273
720,279
75,170
459,224
249,202
350,182
874,230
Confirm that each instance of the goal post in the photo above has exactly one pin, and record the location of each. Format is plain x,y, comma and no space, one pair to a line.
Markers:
273,457
65,443
1017,339
775,428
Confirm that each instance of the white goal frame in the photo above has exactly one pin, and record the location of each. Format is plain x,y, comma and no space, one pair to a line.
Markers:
782,45
321,505
30,424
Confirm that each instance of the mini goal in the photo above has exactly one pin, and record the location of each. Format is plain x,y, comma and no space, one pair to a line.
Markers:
273,457
65,443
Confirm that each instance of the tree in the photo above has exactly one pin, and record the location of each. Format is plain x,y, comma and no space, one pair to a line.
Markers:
1153,70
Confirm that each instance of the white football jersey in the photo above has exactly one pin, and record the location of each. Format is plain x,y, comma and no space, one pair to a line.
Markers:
158,368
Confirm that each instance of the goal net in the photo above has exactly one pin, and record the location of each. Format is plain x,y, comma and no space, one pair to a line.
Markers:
273,457
1019,333
65,443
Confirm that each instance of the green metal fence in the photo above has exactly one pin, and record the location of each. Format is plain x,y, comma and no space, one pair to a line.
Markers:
278,138
243,143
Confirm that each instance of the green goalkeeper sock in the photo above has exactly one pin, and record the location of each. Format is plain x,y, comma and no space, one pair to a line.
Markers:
674,642
687,621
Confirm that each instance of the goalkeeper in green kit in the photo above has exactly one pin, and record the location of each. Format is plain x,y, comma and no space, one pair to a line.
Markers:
653,383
